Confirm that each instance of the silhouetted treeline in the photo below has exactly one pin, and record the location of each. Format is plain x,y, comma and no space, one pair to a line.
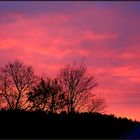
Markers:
38,124
70,91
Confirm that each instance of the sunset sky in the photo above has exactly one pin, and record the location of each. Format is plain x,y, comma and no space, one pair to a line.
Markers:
106,35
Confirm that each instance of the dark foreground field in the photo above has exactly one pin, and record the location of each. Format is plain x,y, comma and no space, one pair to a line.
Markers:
20,124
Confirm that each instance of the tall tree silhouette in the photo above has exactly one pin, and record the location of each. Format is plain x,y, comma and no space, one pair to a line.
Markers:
15,80
47,96
76,84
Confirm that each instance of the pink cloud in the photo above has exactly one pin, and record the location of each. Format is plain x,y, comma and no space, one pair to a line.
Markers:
101,36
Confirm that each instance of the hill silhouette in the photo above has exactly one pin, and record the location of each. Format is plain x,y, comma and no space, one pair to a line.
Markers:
22,93
38,124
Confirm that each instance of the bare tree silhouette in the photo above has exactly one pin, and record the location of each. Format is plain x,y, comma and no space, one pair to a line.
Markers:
97,104
47,96
15,80
77,84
